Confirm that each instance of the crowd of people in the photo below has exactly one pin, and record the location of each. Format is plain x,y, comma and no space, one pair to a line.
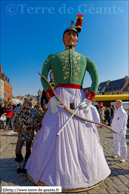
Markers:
23,119
8,110
106,114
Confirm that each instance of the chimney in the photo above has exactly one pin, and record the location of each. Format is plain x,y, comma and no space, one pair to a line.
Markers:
126,77
0,68
3,74
8,80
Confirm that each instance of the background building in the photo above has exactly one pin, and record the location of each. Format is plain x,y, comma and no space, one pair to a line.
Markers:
7,89
102,87
39,96
20,99
40,92
5,86
1,85
120,86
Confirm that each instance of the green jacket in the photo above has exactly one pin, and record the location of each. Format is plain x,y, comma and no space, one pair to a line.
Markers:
70,67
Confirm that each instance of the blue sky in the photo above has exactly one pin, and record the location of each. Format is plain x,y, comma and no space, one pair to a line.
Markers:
30,31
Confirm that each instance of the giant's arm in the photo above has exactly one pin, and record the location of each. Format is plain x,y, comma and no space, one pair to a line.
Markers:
92,69
45,70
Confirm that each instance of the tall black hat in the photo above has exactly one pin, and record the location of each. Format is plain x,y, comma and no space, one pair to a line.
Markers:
78,25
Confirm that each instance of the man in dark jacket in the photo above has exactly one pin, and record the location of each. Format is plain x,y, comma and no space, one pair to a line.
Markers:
1,112
108,115
112,111
1,108
8,109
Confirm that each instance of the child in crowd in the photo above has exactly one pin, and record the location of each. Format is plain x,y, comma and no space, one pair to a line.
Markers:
26,120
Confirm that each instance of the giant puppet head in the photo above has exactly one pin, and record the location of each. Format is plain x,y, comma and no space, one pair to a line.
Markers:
70,35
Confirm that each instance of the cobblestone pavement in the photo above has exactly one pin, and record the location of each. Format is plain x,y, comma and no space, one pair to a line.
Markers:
117,182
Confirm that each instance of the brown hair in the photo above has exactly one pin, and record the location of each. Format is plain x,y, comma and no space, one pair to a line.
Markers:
27,101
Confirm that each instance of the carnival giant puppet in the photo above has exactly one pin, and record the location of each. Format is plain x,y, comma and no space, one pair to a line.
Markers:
75,158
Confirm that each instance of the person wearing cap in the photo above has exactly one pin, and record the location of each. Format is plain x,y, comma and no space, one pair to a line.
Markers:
74,159
119,125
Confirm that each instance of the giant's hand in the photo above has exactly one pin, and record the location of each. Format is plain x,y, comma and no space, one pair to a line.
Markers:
86,104
54,103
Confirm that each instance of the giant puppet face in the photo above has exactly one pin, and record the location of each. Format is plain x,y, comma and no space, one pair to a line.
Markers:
70,38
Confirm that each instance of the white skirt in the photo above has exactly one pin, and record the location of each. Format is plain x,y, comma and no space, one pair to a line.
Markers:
75,158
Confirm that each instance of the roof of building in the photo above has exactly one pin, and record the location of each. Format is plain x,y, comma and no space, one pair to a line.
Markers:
126,88
115,85
102,85
19,97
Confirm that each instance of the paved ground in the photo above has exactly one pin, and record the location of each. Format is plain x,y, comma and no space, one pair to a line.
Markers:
117,182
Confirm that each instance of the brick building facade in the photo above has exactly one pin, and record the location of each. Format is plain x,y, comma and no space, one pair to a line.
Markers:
1,85
5,86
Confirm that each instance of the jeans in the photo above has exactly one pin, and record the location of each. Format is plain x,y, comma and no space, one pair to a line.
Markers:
8,121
